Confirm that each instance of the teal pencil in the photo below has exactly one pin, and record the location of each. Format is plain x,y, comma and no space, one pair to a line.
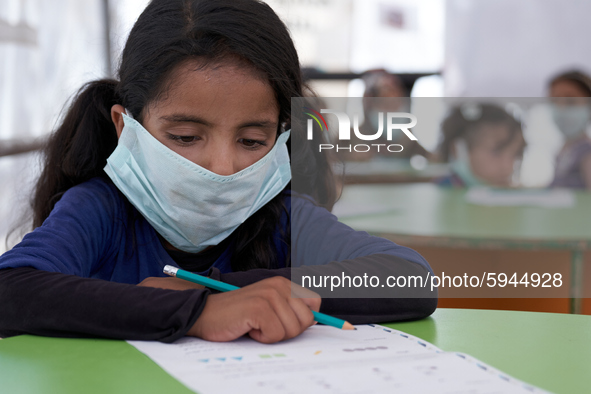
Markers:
221,286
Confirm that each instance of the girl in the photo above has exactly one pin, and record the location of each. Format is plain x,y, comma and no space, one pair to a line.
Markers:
184,161
484,145
571,111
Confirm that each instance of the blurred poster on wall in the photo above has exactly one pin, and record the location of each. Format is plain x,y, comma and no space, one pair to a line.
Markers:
398,35
398,17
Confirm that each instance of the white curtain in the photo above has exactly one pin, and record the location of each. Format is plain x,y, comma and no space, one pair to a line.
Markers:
48,49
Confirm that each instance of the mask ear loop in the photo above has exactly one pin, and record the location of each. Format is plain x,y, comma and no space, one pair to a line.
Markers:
128,113
461,164
461,149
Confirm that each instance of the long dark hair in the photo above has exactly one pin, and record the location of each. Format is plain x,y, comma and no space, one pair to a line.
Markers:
579,78
167,33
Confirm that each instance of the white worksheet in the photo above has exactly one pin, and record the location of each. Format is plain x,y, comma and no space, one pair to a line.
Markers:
371,359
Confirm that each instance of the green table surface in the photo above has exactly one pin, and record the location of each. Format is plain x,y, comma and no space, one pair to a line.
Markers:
552,351
381,170
436,216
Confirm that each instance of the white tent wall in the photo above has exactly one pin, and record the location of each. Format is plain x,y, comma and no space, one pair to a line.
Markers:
123,14
63,48
398,35
321,30
511,48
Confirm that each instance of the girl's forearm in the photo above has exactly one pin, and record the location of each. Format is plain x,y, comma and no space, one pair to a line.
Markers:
55,304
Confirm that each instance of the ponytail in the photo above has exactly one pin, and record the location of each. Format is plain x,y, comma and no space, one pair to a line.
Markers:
78,150
454,127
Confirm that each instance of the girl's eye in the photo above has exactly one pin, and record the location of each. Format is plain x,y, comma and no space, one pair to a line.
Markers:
251,144
183,139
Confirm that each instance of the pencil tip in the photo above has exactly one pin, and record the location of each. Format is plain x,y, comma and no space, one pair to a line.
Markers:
348,326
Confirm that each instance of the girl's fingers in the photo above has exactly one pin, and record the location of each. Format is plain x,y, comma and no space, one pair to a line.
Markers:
294,313
292,290
303,313
291,314
264,310
311,303
267,326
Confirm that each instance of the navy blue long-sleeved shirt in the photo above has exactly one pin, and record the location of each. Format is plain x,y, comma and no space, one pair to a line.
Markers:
76,274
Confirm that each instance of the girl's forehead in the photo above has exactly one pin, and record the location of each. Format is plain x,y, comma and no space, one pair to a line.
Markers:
493,135
210,86
566,88
228,68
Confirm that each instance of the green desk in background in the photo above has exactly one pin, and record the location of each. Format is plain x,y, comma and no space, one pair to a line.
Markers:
425,215
381,170
551,351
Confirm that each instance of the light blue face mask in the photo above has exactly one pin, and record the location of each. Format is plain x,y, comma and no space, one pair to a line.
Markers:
460,165
188,205
571,120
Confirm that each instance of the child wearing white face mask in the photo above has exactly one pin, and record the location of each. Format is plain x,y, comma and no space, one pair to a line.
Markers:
571,111
184,161
484,145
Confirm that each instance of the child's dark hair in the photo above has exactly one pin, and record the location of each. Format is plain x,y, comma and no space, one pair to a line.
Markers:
166,34
579,78
464,122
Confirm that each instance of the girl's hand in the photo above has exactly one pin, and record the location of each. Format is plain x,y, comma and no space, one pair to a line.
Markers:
169,283
264,310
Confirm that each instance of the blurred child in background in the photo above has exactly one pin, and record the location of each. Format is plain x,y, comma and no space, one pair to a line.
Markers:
571,111
484,145
384,92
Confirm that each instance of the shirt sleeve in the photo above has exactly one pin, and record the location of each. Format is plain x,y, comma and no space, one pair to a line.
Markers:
60,305
46,284
75,238
317,238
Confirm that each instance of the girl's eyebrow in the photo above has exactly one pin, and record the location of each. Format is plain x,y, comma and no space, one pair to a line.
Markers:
181,118
260,123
